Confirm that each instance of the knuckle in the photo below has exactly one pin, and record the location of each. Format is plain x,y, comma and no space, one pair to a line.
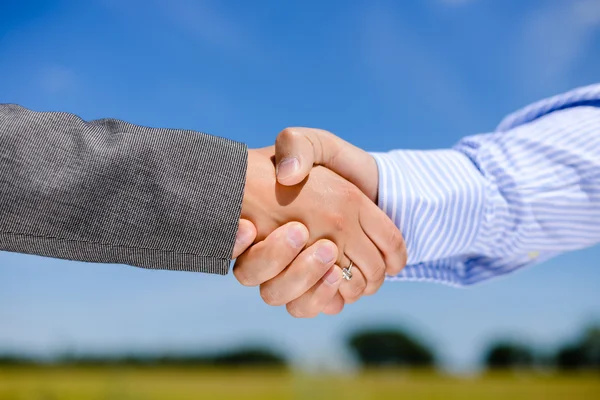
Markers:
335,311
359,290
337,221
285,135
299,311
376,272
315,306
374,286
270,296
335,306
243,277
355,195
349,193
295,311
395,240
340,218
404,259
395,269
355,292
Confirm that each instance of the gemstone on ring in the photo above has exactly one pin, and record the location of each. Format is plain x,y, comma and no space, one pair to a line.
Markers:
347,272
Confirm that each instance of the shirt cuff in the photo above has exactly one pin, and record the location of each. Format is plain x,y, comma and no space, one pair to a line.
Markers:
437,199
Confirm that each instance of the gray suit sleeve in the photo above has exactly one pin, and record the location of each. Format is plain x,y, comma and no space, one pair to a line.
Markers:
111,192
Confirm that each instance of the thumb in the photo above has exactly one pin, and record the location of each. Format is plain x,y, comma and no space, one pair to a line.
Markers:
245,237
297,150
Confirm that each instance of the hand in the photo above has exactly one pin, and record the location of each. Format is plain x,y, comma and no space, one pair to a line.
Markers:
330,207
298,150
273,251
281,248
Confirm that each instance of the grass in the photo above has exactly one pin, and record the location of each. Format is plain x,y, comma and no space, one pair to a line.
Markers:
183,384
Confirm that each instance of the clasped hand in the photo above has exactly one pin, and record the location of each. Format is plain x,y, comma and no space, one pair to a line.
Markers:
310,209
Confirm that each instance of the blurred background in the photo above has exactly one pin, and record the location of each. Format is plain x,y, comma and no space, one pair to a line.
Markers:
380,74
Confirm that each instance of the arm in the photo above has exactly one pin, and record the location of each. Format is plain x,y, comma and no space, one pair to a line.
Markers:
113,192
493,204
501,201
108,191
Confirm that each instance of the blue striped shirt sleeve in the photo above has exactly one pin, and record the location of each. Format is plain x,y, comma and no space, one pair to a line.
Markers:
500,201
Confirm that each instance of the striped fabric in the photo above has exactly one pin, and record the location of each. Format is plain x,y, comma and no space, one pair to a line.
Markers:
500,201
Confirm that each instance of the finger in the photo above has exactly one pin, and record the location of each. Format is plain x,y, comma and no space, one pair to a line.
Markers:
335,306
245,237
353,289
294,155
268,258
386,236
298,149
368,259
311,303
306,270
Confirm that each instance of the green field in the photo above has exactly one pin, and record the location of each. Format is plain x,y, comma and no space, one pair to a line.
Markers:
179,384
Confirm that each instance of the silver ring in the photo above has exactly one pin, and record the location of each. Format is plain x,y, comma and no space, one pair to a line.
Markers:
347,272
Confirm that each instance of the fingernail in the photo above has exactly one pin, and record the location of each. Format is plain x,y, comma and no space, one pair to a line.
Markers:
332,276
297,235
287,167
325,253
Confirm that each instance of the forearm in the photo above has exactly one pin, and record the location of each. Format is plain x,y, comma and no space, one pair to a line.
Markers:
108,191
500,201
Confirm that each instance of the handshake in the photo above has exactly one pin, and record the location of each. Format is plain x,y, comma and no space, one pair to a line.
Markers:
320,241
311,234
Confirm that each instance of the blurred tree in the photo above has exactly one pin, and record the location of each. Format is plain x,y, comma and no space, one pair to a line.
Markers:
570,357
247,356
255,356
506,354
584,354
12,360
390,347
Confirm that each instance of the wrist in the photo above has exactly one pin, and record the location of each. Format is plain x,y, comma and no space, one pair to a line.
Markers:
259,191
371,189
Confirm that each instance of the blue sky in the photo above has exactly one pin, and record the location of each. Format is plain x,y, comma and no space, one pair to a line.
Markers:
383,75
